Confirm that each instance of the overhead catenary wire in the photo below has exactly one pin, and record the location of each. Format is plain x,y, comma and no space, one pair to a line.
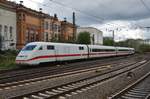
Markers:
147,8
100,19
144,4
64,5
89,16
47,6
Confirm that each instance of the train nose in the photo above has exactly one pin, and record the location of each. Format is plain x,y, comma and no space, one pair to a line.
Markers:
23,55
22,58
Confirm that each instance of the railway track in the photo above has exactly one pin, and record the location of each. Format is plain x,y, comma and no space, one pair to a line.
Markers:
110,67
32,68
138,90
66,90
95,74
41,72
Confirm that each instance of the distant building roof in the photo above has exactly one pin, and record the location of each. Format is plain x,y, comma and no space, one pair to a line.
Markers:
89,28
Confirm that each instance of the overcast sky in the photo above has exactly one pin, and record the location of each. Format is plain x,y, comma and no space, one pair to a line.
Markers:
124,16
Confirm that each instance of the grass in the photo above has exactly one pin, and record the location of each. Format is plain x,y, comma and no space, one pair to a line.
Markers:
7,61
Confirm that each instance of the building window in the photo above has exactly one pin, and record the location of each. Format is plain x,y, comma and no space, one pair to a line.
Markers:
55,35
46,25
32,34
19,16
27,35
11,31
46,37
50,26
23,17
59,28
55,27
0,29
5,31
36,36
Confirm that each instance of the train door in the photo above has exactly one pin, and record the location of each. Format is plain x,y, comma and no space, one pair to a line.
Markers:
116,50
88,51
67,53
42,54
51,52
60,52
81,51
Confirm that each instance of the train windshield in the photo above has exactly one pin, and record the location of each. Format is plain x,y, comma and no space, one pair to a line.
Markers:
29,48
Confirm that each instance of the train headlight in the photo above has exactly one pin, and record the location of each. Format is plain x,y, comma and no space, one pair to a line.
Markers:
23,56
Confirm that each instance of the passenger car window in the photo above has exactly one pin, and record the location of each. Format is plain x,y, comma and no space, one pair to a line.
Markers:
50,47
102,50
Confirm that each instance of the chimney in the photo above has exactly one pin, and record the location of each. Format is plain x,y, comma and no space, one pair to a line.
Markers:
40,9
21,2
74,26
65,19
55,16
73,19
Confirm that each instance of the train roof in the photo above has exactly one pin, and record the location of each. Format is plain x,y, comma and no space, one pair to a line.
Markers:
52,43
124,48
70,44
101,46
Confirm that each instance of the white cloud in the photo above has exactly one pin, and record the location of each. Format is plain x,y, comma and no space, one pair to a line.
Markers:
125,34
123,31
30,3
122,14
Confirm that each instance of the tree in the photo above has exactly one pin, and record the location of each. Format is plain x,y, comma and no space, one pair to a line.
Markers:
144,48
0,42
84,38
108,41
139,47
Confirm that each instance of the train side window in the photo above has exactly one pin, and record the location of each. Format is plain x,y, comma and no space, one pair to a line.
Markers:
81,48
41,48
123,49
50,47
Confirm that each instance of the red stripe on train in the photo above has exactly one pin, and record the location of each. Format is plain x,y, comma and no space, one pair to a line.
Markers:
65,55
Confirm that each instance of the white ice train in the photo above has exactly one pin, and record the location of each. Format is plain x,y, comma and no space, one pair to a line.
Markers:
41,52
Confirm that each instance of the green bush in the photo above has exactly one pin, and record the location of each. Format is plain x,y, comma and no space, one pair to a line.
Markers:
144,48
9,52
7,59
